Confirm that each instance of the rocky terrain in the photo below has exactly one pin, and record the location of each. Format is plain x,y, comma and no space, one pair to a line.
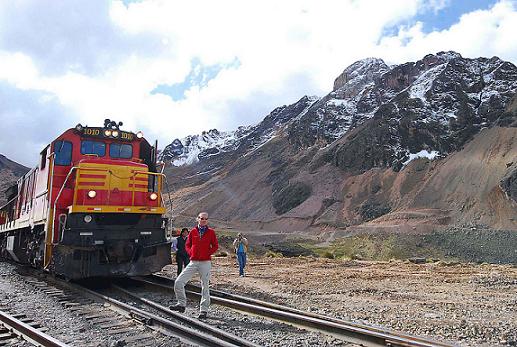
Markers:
466,304
417,146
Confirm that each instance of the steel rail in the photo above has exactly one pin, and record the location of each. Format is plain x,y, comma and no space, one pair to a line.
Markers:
221,334
29,333
185,332
353,332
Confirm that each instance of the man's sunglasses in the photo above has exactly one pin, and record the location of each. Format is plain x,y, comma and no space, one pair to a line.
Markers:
202,218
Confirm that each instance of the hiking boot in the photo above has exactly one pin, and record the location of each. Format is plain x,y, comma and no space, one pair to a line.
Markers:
202,315
177,308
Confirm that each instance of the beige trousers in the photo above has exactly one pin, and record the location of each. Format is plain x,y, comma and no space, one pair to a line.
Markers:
201,267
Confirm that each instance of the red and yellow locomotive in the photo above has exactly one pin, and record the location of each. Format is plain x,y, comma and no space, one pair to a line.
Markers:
92,207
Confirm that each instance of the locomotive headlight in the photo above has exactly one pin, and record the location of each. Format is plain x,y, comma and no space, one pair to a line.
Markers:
139,134
153,196
87,218
92,194
107,132
114,133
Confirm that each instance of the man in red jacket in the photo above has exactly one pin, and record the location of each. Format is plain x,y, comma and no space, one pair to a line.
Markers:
200,245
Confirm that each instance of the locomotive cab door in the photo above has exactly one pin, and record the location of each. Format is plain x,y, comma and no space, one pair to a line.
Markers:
42,188
147,155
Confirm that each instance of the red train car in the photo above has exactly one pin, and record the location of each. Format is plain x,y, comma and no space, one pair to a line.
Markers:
92,207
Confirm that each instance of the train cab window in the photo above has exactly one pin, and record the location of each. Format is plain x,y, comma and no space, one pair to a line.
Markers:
118,150
43,159
93,147
63,151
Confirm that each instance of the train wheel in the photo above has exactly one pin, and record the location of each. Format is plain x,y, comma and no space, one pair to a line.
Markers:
36,246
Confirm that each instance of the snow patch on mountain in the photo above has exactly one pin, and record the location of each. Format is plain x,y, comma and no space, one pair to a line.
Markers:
193,147
424,82
422,154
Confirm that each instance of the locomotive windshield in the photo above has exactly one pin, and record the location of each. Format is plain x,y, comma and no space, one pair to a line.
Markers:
93,147
118,150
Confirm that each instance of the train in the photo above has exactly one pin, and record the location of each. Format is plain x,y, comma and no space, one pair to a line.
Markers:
93,206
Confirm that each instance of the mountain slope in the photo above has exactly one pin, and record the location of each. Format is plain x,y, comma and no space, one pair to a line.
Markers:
350,158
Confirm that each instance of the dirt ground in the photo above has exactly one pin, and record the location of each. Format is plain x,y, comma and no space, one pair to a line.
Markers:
466,304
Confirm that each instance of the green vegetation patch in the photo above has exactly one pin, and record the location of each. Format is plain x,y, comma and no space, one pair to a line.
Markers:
465,245
374,247
455,244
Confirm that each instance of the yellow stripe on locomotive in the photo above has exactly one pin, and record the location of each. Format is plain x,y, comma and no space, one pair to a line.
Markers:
114,188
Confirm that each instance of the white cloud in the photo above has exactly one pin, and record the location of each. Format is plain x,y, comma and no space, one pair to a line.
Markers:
108,64
480,33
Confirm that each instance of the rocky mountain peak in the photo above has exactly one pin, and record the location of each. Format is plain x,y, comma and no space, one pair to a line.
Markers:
9,165
434,105
444,98
442,56
213,143
360,73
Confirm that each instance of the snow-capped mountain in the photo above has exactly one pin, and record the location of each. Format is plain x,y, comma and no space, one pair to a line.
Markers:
394,145
195,147
245,139
432,105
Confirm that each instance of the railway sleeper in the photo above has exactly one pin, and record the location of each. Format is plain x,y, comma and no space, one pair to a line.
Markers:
7,336
138,338
101,314
115,325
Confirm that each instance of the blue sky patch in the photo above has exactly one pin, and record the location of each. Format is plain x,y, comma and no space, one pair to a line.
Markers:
199,76
446,17
442,19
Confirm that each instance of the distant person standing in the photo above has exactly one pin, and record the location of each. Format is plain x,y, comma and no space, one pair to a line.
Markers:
200,245
174,245
240,244
182,258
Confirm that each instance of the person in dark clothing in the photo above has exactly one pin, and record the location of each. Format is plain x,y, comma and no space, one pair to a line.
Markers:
182,258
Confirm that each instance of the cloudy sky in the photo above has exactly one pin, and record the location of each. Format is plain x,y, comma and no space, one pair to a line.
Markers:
173,68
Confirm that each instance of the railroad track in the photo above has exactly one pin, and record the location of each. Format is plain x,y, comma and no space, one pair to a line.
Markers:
192,330
348,331
113,323
118,317
14,327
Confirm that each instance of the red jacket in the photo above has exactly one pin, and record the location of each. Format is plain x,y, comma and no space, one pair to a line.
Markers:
201,248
